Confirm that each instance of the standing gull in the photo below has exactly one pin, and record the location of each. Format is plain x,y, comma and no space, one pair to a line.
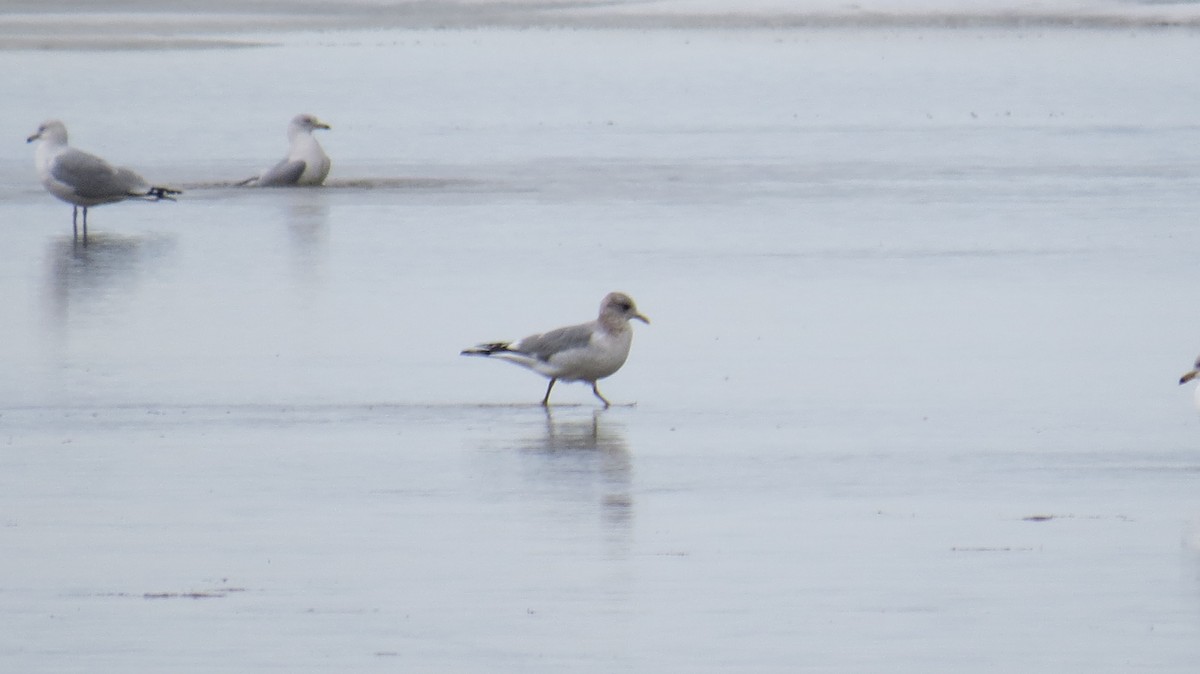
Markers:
586,352
305,164
83,179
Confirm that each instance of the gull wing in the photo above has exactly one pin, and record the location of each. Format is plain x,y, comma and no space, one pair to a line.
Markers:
92,177
286,172
549,344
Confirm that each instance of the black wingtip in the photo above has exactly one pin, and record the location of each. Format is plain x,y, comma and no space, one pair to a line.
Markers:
486,349
160,193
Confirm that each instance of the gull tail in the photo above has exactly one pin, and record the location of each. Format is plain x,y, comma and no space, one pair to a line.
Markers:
160,193
488,349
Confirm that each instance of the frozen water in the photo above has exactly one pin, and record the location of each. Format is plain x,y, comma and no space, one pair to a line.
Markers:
921,297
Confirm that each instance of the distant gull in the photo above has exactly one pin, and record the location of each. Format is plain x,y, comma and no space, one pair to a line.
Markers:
1190,375
586,352
83,179
305,164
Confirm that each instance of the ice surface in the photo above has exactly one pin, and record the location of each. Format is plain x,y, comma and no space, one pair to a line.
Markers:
920,300
165,24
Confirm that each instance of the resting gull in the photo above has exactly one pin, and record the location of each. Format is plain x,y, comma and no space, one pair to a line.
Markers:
305,164
586,352
83,179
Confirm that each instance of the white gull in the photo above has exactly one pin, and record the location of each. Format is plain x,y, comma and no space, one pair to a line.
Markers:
83,179
306,163
587,352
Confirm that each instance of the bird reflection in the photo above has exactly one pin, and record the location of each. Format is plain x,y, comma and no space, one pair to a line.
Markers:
589,455
307,217
1190,543
86,278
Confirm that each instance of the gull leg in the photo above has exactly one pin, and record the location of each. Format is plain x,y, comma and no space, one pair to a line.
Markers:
75,221
546,400
596,390
85,225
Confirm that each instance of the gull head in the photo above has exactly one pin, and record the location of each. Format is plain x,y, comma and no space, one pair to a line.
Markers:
307,123
51,131
621,307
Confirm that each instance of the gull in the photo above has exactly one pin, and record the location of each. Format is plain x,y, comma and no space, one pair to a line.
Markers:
586,352
1190,375
83,179
305,164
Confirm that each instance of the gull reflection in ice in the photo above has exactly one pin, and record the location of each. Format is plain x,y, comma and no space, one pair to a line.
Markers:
307,216
86,288
87,280
588,455
1190,544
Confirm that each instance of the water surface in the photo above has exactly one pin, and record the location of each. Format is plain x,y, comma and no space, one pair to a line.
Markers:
920,297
